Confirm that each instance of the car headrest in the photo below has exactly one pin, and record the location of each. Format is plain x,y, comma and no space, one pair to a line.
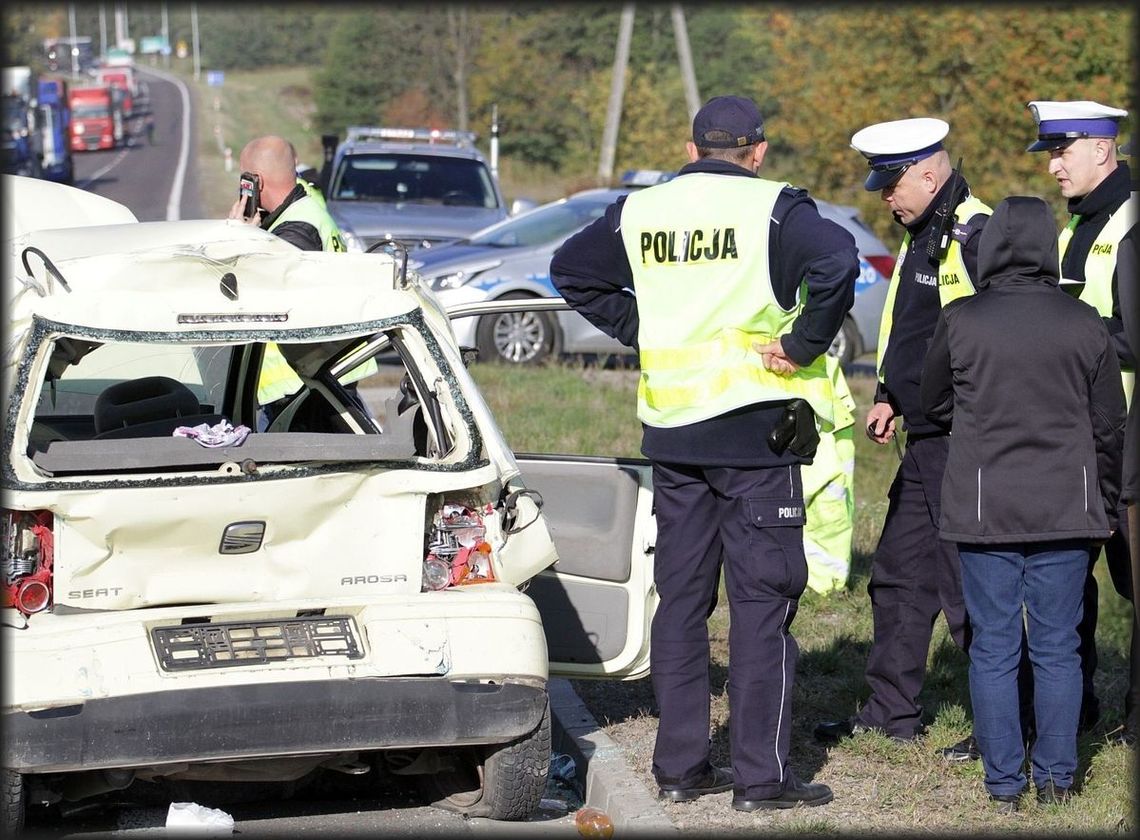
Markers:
141,401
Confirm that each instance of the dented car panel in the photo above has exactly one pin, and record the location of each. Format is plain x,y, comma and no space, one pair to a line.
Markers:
258,515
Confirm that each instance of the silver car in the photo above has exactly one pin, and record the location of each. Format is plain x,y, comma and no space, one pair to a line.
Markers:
511,259
413,186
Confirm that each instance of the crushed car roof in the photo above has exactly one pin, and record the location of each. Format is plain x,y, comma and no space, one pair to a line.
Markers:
193,275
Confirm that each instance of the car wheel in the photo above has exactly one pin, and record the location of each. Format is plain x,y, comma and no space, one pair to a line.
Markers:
504,782
847,346
520,338
13,803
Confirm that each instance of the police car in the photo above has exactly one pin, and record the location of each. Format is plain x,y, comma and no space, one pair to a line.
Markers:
511,260
413,186
193,590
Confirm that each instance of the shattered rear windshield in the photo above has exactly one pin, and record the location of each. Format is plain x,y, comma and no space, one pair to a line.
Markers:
134,404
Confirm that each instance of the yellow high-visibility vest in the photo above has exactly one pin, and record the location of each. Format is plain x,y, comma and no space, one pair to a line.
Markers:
954,280
1100,266
698,250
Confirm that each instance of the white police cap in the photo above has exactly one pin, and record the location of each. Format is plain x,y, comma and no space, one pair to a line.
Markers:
1060,123
890,147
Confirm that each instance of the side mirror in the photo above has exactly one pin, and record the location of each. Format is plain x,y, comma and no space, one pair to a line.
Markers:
521,205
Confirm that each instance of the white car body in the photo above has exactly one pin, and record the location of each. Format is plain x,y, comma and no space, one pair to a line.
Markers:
177,611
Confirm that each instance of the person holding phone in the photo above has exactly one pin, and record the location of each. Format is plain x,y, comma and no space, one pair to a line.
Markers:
271,197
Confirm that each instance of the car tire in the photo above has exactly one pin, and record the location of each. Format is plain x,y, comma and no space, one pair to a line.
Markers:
14,803
503,782
518,338
847,345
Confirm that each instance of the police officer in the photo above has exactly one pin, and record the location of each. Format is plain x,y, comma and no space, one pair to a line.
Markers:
702,275
287,210
829,493
914,575
1080,139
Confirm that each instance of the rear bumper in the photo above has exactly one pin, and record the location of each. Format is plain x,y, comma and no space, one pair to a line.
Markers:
230,722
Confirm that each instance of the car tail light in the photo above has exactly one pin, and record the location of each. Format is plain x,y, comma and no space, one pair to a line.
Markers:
885,265
457,553
27,561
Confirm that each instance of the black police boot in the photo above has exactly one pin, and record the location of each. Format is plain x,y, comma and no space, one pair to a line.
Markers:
795,793
716,780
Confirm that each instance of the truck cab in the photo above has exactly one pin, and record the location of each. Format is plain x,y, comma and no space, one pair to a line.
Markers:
55,130
95,121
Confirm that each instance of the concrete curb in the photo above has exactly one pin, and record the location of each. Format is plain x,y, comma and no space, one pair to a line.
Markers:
610,784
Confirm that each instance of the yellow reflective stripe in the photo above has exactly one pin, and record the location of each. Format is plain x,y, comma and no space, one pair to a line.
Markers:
699,355
808,384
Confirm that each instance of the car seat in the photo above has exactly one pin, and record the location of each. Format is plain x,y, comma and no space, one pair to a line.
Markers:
153,406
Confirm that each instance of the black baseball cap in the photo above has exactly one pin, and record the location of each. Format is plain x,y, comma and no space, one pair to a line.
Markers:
728,122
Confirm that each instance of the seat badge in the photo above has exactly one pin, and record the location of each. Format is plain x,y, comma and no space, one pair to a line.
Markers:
242,538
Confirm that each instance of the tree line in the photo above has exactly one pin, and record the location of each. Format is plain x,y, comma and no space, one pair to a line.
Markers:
819,73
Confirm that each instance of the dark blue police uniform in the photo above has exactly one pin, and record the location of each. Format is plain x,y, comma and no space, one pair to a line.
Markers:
718,490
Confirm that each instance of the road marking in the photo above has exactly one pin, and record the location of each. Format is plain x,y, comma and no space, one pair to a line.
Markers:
174,204
117,160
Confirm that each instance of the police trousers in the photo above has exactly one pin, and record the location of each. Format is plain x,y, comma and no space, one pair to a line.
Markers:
751,521
1119,560
914,576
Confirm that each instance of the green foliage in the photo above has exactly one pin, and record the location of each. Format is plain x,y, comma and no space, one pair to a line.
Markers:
541,68
247,36
23,42
975,67
819,73
582,411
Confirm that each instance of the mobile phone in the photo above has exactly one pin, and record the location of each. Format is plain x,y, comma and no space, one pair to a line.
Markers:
249,188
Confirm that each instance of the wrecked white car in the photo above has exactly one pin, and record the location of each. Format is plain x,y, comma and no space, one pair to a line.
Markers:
259,523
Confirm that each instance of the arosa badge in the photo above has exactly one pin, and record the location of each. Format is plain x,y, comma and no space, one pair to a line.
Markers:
242,538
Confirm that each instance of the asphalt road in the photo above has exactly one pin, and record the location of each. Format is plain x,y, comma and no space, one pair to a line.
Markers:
154,181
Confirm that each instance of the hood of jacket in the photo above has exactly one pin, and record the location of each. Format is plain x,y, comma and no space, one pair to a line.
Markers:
1019,244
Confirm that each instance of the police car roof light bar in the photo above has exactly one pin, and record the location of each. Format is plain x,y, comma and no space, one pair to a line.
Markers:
358,133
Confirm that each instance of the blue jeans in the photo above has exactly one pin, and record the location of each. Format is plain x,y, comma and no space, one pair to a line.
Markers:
1048,579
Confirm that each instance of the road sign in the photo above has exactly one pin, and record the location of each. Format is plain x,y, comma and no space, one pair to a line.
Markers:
151,44
215,78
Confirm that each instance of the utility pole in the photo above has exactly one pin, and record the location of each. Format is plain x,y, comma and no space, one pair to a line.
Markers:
165,35
194,34
73,48
457,29
120,24
617,93
102,29
685,54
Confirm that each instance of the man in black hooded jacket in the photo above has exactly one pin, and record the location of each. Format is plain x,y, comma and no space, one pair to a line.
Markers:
1031,380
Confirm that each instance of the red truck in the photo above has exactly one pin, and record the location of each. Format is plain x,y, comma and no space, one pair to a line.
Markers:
96,120
120,77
